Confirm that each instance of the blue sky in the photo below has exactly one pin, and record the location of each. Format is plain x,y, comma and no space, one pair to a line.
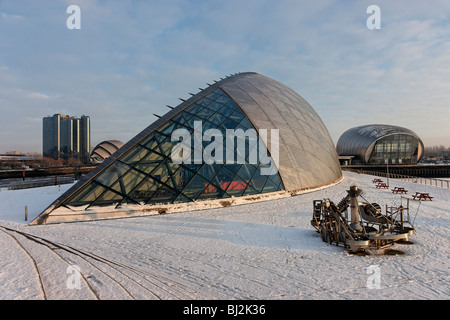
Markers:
131,58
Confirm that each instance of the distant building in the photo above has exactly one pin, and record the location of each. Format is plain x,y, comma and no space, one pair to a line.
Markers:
379,144
104,149
66,137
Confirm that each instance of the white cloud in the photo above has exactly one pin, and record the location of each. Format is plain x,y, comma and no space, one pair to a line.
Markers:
10,17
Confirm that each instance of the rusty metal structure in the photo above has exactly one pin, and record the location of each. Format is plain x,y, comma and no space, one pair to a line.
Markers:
367,230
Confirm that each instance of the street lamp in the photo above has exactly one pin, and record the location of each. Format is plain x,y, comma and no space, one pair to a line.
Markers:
387,169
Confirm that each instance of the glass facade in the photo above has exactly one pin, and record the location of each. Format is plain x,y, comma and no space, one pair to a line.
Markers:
380,144
397,149
146,174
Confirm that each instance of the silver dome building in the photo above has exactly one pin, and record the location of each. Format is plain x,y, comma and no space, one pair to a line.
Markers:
144,177
381,144
104,149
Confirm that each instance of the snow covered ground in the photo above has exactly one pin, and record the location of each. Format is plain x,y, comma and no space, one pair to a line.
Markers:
264,250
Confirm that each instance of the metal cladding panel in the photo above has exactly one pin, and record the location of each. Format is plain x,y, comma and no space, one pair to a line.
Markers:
307,154
352,144
100,153
359,141
106,148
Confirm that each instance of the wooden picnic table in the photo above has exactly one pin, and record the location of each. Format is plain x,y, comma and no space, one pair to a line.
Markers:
399,190
377,180
382,185
419,196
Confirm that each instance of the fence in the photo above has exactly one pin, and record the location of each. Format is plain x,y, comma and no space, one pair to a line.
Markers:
40,182
426,181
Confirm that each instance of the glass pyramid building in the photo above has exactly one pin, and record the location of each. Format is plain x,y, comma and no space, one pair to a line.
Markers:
150,171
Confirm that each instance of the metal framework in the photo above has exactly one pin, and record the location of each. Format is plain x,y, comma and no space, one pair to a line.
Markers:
368,230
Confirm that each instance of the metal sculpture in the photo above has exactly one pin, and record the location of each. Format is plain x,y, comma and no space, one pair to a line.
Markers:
368,231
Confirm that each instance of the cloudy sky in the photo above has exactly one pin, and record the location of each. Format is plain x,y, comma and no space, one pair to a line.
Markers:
131,58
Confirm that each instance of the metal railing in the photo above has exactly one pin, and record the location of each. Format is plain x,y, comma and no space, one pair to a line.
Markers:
16,185
426,181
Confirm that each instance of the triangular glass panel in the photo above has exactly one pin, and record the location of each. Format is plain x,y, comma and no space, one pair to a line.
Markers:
86,195
163,195
169,127
270,186
275,178
164,170
237,187
152,140
128,181
233,106
246,172
225,177
205,113
216,119
182,117
135,155
145,190
112,173
245,124
216,94
204,102
223,99
212,192
191,122
226,112
195,108
237,116
149,162
209,171
250,190
108,197
187,172
206,125
258,181
215,106
195,187
228,124
181,198
165,147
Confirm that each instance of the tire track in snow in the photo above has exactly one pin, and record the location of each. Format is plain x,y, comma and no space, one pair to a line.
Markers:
104,268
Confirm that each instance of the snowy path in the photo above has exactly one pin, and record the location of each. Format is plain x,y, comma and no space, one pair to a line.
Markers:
265,250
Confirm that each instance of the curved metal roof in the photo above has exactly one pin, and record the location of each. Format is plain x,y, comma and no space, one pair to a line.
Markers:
105,149
308,158
359,141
